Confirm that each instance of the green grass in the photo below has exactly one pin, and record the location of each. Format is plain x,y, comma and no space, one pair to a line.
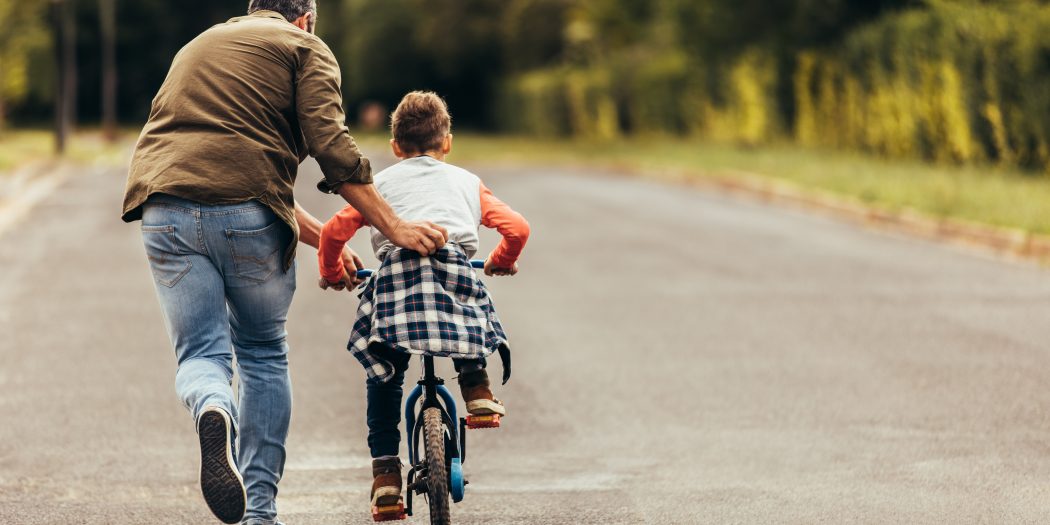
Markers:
986,195
19,147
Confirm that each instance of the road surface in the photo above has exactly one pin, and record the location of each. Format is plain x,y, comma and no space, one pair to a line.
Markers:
681,357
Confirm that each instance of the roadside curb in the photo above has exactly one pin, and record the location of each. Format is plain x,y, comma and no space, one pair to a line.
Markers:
26,187
1011,243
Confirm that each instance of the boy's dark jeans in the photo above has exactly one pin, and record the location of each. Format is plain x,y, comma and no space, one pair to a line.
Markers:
384,403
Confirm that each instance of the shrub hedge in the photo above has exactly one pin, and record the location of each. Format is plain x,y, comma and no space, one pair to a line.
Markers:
948,82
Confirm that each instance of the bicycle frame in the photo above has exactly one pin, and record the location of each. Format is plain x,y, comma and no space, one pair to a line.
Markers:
435,395
430,392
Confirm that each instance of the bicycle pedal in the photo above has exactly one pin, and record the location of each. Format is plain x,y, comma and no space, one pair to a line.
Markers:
482,421
389,513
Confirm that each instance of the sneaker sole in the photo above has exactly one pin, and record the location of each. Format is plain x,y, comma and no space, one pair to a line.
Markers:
386,496
482,407
221,483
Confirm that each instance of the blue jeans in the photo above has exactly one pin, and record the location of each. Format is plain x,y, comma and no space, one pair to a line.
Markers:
219,275
383,413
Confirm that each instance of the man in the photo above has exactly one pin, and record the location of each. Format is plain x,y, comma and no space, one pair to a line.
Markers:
211,179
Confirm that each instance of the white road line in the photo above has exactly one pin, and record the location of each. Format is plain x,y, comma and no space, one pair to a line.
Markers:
25,189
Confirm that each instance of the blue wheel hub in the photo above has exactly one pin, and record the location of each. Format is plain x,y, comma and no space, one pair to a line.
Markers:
456,485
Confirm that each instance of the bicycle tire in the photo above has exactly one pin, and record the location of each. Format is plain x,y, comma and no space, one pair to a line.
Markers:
437,469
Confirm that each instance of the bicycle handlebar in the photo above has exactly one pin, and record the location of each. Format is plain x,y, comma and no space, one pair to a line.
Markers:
366,273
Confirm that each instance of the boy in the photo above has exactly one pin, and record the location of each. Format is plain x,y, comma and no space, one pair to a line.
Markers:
424,305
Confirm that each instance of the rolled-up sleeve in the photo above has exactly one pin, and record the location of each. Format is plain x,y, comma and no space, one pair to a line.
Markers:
319,104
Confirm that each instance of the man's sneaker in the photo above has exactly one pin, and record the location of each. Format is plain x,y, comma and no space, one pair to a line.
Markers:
221,483
474,386
386,489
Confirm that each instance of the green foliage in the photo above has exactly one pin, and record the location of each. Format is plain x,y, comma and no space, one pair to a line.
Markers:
532,33
652,93
561,102
953,81
22,39
378,52
949,83
535,103
711,68
390,47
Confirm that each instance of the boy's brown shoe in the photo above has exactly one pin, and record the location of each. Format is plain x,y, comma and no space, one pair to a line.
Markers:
386,482
474,386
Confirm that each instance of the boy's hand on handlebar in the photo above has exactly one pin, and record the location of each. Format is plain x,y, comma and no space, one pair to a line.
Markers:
493,270
351,264
423,237
325,285
342,284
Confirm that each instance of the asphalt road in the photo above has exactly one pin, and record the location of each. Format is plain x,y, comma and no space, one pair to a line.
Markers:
681,357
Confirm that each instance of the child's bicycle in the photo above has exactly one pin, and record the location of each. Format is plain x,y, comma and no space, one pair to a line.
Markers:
432,421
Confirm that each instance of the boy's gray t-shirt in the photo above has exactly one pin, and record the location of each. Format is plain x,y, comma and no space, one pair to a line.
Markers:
426,189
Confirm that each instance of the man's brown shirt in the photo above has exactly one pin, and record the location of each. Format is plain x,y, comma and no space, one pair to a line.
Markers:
243,104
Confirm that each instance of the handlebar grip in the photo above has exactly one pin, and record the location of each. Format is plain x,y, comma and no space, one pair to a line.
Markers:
477,263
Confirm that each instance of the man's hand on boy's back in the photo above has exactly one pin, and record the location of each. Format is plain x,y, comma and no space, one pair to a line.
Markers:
493,270
423,237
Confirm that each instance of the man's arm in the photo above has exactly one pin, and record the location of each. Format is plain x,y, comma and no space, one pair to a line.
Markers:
310,233
309,226
423,237
319,107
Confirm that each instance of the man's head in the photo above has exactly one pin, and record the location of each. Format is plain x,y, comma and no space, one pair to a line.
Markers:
421,125
302,13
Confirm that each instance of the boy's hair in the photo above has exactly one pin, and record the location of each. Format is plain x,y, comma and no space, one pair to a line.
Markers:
421,122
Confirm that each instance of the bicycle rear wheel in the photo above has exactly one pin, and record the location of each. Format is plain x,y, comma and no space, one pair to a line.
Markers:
437,470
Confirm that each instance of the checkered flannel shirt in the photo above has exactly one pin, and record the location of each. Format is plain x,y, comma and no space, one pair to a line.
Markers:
432,305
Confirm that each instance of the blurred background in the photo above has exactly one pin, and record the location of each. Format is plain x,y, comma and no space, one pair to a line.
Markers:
682,355
953,91
940,80
937,79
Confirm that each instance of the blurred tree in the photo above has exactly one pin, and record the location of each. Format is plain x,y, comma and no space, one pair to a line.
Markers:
65,106
533,33
22,32
68,64
715,28
954,80
380,55
620,23
461,42
108,27
452,47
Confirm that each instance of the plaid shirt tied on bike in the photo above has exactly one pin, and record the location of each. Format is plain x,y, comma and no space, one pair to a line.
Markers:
421,305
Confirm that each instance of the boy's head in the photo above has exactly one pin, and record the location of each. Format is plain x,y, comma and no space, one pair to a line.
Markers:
421,125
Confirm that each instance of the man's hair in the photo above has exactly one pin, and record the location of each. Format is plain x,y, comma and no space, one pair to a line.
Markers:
421,122
290,9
